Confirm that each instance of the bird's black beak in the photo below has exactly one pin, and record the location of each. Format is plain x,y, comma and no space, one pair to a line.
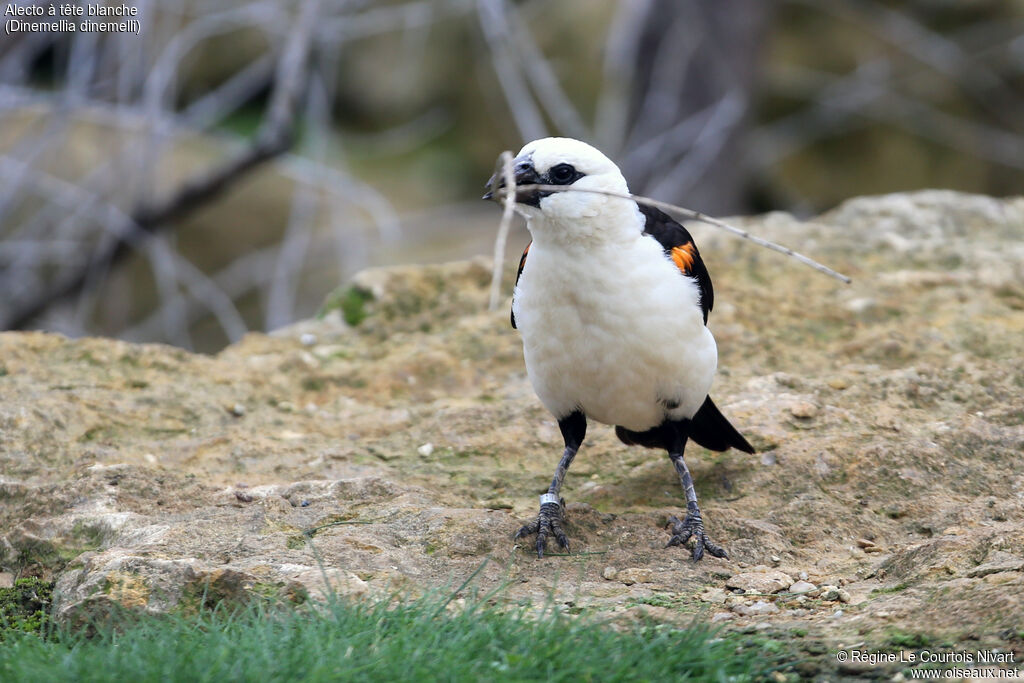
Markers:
524,173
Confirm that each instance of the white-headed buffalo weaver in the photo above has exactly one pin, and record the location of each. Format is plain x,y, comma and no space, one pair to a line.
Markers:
612,301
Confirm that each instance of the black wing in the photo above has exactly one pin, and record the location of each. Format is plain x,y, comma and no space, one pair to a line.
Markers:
522,262
680,247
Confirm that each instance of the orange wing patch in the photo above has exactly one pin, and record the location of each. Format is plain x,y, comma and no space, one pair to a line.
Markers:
683,257
522,261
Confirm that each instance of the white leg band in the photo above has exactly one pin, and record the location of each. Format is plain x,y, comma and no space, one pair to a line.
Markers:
550,498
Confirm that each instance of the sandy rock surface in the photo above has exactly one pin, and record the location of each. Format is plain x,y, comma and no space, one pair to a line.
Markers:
402,453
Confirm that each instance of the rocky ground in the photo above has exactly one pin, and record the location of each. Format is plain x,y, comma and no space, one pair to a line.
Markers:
885,507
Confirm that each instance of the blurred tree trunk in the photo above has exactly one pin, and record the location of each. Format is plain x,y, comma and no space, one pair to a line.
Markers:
695,68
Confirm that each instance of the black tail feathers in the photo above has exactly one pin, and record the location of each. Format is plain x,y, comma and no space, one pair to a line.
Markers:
711,430
708,427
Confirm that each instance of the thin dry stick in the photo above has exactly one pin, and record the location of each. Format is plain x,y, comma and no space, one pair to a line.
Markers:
687,214
505,162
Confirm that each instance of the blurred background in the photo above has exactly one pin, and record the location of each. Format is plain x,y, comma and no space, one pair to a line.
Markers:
227,167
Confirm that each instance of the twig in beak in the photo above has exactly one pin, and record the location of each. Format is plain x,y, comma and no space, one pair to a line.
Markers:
509,199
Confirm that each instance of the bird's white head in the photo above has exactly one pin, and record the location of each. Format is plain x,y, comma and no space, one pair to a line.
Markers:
572,216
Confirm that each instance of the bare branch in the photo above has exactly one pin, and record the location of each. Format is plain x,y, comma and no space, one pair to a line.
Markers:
660,102
898,28
613,104
379,20
273,138
725,116
161,77
231,94
240,277
339,183
165,273
294,247
520,101
214,299
868,94
545,83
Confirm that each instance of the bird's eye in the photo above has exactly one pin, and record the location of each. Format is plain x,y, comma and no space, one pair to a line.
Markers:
563,174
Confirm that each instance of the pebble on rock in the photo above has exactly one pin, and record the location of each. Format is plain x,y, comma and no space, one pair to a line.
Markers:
633,575
760,582
712,595
829,593
759,608
803,410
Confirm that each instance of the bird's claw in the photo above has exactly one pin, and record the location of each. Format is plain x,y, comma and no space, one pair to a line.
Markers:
693,526
548,523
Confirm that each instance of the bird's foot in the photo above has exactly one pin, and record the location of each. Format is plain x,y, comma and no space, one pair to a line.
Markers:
548,523
693,526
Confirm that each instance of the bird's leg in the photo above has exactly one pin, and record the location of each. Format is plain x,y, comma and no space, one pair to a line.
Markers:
693,525
549,520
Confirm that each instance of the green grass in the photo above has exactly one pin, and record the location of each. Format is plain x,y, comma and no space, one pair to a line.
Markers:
417,640
898,638
24,607
351,301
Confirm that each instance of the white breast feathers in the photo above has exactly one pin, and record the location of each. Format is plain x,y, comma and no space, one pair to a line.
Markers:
613,329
